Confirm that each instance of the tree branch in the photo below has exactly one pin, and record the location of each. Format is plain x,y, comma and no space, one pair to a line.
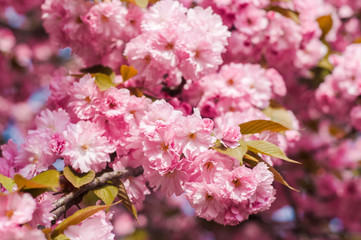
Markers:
73,198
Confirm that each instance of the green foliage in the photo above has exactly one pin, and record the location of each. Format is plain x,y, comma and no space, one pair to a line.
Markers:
104,76
61,237
267,148
236,153
138,235
78,179
142,3
46,180
107,193
279,114
248,151
258,126
123,195
90,199
7,182
104,82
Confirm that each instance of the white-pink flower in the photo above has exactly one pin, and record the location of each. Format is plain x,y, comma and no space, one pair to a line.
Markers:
55,121
84,98
206,199
16,208
42,214
21,233
86,149
107,19
265,193
96,227
114,102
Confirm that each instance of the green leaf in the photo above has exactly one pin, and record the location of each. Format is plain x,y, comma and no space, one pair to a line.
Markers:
267,148
286,13
325,23
7,182
78,179
123,195
127,72
279,115
103,81
107,193
258,126
236,153
77,218
61,237
142,3
90,199
45,180
253,159
138,234
325,64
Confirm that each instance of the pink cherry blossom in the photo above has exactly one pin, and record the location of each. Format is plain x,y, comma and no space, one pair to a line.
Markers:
86,230
86,149
16,208
84,98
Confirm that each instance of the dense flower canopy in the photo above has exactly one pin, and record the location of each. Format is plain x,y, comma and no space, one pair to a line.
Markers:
179,109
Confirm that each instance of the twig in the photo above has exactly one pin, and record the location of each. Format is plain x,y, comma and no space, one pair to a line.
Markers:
73,198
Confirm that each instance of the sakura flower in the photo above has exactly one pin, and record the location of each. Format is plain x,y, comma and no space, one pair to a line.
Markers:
171,182
114,102
86,149
168,47
16,208
159,113
209,163
193,135
264,194
57,143
251,20
241,184
96,227
138,54
356,117
42,214
20,233
107,19
85,97
56,121
35,154
163,15
228,133
206,200
161,150
231,136
211,26
9,152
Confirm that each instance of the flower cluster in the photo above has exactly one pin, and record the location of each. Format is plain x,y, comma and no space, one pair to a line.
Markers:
198,128
95,32
177,42
338,94
18,209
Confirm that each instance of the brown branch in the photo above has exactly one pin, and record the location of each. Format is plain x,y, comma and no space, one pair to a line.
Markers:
75,197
